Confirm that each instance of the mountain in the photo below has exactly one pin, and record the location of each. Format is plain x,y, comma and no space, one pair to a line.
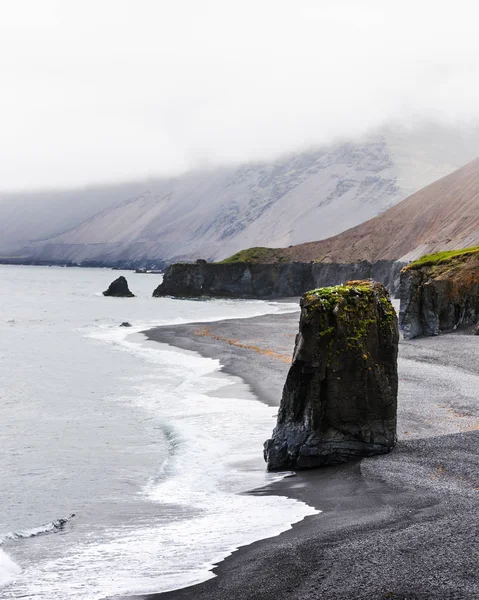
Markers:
442,216
297,198
28,216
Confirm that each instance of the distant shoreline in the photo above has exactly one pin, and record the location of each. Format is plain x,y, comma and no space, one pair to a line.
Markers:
401,525
115,266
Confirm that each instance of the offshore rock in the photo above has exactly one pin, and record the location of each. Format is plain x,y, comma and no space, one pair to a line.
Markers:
119,288
340,397
440,292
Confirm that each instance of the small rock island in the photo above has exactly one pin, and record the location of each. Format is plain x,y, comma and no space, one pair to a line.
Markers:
440,292
340,397
119,289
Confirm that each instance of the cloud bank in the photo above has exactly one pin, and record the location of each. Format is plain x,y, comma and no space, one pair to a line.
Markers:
97,91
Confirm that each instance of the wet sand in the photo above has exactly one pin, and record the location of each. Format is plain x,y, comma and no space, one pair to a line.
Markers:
400,526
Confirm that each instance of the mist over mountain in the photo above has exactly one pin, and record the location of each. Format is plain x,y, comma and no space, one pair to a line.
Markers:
213,213
112,91
152,132
26,216
442,216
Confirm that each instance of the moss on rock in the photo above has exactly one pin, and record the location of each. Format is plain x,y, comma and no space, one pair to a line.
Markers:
355,305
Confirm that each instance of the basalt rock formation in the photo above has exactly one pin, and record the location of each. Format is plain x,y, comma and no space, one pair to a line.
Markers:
340,397
440,292
119,288
250,279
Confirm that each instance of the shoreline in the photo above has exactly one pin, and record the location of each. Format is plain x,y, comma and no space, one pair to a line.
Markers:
234,342
387,529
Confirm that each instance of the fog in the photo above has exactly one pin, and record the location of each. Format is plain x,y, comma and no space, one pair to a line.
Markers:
111,90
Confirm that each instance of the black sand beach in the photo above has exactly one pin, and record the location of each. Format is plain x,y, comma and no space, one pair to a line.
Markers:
400,526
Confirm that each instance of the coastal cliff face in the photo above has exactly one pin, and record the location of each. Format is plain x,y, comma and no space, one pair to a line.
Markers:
440,292
340,397
268,280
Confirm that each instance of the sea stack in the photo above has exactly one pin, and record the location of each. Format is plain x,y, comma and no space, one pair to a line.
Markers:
340,397
119,289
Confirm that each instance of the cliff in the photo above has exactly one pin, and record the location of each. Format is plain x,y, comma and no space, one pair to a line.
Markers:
340,397
238,279
443,214
440,292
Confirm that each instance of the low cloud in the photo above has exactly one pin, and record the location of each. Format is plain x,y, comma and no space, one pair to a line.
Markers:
119,89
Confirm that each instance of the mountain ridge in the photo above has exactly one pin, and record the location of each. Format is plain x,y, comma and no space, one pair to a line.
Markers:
442,216
298,198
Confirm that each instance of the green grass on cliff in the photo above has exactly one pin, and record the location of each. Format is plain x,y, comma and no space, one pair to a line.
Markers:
439,258
255,255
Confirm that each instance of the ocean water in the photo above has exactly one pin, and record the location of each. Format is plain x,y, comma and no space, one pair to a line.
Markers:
126,435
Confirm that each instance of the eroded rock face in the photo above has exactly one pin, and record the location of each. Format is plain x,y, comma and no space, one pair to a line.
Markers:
340,397
439,296
268,280
119,288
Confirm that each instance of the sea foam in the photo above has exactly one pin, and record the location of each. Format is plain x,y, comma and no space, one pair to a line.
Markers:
215,456
51,527
200,511
9,570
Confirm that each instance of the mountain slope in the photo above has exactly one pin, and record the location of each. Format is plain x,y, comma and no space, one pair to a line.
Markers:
442,216
212,214
36,215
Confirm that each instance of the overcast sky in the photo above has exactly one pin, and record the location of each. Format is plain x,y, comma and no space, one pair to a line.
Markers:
109,90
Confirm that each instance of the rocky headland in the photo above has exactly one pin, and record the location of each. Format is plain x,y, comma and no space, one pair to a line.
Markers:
259,273
428,221
340,397
440,292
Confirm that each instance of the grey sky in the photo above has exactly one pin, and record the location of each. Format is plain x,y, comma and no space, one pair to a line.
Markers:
107,90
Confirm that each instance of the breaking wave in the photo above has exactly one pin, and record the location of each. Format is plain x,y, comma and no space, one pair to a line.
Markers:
51,527
8,569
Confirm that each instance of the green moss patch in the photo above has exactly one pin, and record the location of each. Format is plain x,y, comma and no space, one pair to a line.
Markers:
442,258
349,293
256,255
353,303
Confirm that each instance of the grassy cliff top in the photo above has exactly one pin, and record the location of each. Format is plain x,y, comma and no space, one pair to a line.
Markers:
446,257
256,255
